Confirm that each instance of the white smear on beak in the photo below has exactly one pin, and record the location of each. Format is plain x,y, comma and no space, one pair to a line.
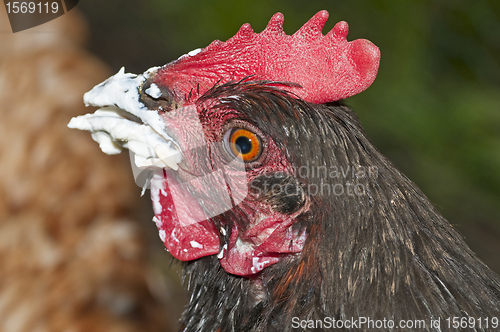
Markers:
114,130
153,91
167,155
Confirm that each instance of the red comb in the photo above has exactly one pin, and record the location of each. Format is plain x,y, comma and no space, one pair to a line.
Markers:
327,67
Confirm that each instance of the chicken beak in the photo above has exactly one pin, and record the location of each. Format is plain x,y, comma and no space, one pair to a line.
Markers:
122,121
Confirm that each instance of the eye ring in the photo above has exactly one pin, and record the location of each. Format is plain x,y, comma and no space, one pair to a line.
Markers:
243,143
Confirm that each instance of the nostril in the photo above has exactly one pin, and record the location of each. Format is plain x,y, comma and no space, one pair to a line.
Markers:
156,97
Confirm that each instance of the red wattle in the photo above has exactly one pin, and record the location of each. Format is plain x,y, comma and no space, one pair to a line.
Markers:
180,219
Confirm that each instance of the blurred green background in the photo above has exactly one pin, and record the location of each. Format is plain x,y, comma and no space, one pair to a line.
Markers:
434,108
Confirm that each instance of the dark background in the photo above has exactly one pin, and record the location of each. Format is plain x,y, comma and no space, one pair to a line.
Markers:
434,108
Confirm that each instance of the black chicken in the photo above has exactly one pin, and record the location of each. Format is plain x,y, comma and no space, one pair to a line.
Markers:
265,183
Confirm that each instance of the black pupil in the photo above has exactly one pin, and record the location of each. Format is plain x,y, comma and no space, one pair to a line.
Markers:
244,144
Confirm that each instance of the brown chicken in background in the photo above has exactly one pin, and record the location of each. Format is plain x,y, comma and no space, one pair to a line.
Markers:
71,256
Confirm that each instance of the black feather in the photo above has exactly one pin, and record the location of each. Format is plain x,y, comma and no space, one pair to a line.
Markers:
381,252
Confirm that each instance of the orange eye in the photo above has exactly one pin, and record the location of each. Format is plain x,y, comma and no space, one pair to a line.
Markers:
243,143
